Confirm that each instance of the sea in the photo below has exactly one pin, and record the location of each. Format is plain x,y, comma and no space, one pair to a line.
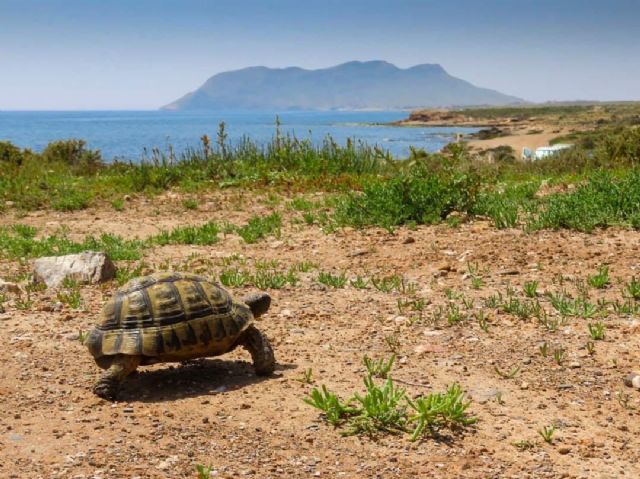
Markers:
131,135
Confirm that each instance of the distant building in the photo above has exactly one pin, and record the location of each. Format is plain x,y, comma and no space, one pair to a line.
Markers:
544,151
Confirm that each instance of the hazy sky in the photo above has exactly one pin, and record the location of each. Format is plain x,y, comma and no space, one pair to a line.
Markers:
141,54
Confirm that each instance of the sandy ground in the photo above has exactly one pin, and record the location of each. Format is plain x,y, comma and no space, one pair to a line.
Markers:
217,412
517,141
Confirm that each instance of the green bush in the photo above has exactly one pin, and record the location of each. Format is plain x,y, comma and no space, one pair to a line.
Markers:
417,196
600,202
10,154
74,154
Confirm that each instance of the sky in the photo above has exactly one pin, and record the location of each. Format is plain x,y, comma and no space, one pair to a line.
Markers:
142,54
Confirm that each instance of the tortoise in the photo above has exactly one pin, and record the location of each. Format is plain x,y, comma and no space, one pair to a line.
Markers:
173,317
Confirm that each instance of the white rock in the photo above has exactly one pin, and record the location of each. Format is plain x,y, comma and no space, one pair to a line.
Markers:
87,267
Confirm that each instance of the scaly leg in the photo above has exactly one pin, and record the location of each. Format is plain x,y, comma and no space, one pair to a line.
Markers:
258,345
109,383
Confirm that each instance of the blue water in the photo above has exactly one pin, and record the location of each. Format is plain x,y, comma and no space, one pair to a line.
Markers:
126,134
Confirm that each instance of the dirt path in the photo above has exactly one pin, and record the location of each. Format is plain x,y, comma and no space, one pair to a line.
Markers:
217,412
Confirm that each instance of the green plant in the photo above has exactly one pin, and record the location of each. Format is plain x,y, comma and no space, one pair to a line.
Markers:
190,203
600,279
307,376
71,200
335,281
507,375
206,234
544,349
386,284
624,400
522,309
483,321
550,324
334,409
628,307
476,282
260,227
493,301
453,314
125,273
530,289
590,347
82,336
547,433
438,410
234,278
524,445
359,282
380,409
118,204
204,472
451,294
418,195
393,343
305,266
558,356
269,279
632,289
71,298
379,368
596,330
24,304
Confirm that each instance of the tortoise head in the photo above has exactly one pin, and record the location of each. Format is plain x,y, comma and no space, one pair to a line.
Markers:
258,303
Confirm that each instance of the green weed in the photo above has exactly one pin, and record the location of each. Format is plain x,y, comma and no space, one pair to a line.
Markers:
118,204
204,472
359,282
190,204
332,280
387,284
600,279
335,411
260,227
439,410
205,235
596,330
379,368
632,289
558,356
126,273
530,289
512,373
547,433
234,278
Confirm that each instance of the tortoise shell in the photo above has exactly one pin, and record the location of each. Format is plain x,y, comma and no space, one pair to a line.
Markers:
168,317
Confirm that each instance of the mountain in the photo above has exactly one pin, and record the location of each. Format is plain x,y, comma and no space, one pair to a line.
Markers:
350,86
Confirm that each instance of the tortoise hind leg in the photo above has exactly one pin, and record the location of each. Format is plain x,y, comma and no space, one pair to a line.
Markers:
258,345
109,383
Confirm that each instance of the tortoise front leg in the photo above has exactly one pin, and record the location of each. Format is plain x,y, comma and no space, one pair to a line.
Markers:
258,345
109,383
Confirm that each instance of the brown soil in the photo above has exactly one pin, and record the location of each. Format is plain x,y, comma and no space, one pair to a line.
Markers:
217,412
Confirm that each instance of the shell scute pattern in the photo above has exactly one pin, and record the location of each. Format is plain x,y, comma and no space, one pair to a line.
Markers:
169,316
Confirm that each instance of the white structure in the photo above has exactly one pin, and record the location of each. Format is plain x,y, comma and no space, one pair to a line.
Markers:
544,151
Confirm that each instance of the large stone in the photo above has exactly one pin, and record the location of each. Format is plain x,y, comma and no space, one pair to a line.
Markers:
87,267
